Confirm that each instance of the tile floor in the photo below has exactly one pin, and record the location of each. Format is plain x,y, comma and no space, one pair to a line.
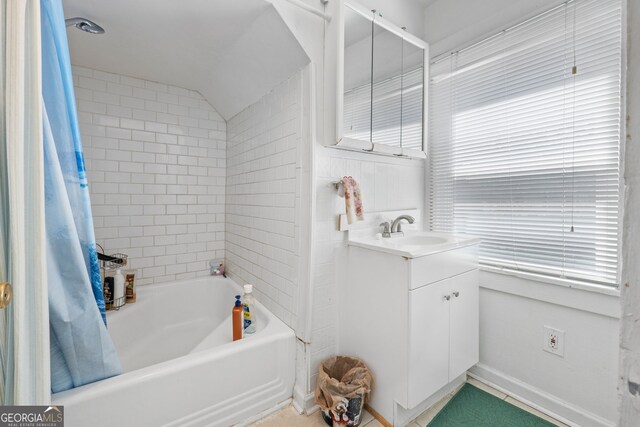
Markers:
288,417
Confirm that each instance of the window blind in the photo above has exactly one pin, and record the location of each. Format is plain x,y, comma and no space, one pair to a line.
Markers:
524,146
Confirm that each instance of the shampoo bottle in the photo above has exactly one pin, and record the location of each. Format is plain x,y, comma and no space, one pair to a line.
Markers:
236,319
130,287
249,312
108,292
118,289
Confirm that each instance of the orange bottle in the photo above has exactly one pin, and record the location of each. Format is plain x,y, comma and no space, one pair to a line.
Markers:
236,319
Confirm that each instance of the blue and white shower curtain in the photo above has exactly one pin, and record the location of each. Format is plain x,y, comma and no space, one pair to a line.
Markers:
81,348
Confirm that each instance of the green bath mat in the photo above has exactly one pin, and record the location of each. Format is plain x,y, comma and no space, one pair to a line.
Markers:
476,408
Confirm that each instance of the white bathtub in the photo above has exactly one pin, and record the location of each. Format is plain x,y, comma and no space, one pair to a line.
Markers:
182,367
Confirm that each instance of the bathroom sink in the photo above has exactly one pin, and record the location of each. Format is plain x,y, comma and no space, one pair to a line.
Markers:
414,244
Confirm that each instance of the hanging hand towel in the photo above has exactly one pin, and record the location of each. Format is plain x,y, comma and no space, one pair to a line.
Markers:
350,190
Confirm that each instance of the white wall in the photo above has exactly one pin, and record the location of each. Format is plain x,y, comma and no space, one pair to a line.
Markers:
581,386
263,228
386,184
155,158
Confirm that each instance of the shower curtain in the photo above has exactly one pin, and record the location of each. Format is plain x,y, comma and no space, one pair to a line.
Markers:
81,349
24,324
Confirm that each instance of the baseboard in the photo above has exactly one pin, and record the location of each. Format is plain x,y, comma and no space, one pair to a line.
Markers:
377,416
304,403
403,416
538,399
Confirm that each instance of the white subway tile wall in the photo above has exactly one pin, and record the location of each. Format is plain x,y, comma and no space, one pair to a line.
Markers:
155,158
263,218
386,184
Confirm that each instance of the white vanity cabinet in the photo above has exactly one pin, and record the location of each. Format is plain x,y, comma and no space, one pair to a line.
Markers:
414,321
443,334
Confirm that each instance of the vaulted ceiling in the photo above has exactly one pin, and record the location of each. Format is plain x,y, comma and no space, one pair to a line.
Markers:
231,51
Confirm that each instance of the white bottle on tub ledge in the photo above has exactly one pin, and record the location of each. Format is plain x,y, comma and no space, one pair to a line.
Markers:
249,304
118,288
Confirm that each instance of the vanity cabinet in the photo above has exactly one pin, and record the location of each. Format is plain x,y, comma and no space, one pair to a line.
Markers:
443,334
414,321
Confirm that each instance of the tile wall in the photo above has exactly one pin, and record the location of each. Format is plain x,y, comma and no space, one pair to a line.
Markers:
155,156
263,227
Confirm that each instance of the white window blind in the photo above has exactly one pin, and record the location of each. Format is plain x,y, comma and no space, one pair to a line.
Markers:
524,146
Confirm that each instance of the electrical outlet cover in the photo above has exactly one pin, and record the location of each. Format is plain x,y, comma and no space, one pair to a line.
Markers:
553,341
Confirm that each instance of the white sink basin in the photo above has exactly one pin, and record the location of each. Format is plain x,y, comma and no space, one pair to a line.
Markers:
414,244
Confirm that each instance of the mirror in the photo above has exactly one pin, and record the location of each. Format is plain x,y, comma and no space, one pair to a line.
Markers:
357,76
383,76
412,96
386,108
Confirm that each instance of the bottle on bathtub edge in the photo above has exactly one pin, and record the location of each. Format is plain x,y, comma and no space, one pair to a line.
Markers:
249,312
236,319
130,287
118,289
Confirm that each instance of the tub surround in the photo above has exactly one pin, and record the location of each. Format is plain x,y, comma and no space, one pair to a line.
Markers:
155,157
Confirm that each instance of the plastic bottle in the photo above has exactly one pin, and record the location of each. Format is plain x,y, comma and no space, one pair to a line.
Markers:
249,312
236,319
108,292
118,288
130,287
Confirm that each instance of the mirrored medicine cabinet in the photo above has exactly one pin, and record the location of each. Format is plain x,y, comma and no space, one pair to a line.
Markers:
381,85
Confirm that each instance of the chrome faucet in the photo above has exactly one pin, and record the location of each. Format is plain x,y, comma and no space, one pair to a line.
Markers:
396,226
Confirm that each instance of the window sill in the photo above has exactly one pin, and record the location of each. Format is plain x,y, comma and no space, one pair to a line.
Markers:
568,283
591,298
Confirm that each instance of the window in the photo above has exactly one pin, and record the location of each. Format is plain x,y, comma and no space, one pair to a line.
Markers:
525,140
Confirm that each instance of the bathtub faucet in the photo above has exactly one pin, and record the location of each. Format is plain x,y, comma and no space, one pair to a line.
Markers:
216,268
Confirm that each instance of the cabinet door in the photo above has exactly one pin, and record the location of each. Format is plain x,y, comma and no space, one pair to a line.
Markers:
464,323
428,340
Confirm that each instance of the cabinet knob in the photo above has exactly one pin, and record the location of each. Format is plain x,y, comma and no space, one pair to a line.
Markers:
447,297
456,294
